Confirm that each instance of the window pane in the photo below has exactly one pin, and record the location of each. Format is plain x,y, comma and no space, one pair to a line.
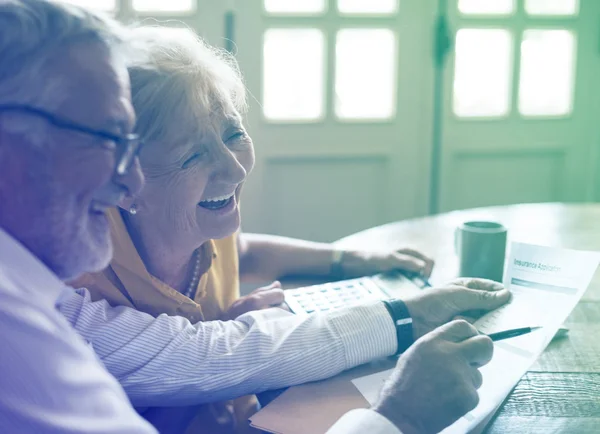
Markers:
547,70
293,71
164,6
486,7
295,6
101,5
368,6
552,7
483,72
365,74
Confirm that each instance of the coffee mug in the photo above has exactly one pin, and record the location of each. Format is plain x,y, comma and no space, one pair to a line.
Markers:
481,248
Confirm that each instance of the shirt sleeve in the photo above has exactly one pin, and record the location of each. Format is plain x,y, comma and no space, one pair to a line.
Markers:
51,382
168,358
361,421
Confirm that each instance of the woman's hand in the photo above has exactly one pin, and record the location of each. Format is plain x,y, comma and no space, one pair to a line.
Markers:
261,298
357,263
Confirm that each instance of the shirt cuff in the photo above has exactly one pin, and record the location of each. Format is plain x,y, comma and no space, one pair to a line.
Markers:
363,420
367,333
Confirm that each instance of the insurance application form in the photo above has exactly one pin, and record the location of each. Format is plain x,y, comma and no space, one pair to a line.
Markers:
546,283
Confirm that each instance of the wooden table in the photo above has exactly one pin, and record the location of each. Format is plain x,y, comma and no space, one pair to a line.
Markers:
561,393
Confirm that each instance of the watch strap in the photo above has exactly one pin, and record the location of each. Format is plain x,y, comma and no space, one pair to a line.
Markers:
402,322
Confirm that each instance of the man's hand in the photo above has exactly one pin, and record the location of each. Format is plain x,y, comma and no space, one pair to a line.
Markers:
435,381
432,308
357,263
261,298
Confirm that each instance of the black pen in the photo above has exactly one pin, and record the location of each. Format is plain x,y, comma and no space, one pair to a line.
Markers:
498,336
423,279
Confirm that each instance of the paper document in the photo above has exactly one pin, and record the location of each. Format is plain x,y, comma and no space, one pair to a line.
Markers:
546,284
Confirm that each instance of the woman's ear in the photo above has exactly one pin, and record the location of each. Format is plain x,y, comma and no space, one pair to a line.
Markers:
129,205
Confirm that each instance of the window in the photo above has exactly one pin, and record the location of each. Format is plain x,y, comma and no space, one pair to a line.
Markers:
360,83
552,7
367,7
482,72
486,7
295,7
365,74
547,72
164,6
293,73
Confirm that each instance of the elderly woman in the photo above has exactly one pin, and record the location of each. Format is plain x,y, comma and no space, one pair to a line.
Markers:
177,249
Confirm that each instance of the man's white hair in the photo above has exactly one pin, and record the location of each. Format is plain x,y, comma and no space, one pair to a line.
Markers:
179,80
32,34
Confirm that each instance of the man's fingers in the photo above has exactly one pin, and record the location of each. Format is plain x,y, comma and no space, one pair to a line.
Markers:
476,377
473,299
468,319
478,350
474,313
456,331
473,283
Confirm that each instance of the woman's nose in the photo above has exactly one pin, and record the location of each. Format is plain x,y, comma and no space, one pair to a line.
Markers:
230,168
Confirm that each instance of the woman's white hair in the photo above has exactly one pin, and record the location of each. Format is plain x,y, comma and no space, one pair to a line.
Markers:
179,80
32,34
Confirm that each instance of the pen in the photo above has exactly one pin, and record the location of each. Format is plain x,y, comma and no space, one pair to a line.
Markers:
417,276
511,333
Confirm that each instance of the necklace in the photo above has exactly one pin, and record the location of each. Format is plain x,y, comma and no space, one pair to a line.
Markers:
191,289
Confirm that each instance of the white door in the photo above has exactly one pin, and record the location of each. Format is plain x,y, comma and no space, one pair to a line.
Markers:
340,112
521,103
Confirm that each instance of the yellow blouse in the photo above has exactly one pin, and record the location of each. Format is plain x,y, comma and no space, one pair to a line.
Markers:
126,282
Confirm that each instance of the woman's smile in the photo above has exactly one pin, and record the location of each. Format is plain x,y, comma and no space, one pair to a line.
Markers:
216,202
224,204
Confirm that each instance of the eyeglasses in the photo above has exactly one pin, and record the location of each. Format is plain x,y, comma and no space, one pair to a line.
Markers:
129,144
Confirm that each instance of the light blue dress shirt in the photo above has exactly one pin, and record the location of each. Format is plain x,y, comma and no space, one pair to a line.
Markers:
52,381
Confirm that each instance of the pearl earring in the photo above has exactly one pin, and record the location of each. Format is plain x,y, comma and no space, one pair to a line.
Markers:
133,209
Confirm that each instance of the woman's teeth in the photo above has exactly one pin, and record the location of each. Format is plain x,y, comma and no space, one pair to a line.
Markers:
216,202
219,198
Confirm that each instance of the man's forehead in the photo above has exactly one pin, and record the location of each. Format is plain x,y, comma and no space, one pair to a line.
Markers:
99,86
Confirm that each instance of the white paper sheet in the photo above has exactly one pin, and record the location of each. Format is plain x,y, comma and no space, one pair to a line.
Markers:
546,284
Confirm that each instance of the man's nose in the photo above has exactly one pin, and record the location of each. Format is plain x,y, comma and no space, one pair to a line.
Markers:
133,179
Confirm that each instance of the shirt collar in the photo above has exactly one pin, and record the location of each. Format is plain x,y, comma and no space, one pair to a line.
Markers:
32,275
126,257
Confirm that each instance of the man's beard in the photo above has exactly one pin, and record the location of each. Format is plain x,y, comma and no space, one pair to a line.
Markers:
66,244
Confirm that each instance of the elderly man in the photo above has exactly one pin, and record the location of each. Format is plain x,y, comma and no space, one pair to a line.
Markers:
66,155
65,116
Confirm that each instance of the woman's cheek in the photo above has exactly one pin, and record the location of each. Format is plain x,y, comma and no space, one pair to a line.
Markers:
181,211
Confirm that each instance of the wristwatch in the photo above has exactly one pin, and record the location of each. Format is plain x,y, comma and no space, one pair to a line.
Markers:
403,323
